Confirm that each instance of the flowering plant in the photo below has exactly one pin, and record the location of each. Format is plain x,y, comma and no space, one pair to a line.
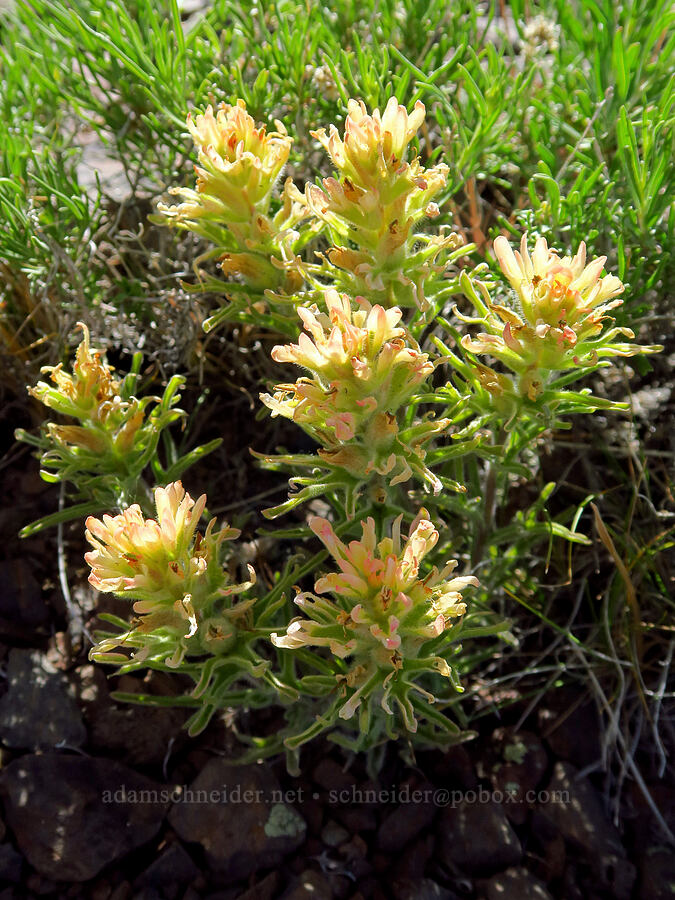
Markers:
551,331
376,201
239,165
182,597
376,647
365,371
103,456
389,624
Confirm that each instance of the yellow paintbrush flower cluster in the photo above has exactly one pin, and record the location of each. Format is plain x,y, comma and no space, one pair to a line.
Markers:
239,165
173,574
375,202
555,323
365,370
384,618
108,424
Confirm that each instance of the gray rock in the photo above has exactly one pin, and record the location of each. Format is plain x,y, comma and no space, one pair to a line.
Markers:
514,883
72,815
477,837
239,818
37,711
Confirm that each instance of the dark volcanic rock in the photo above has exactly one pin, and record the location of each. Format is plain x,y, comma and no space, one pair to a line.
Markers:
514,884
239,818
572,729
263,890
20,595
477,837
174,866
329,775
72,815
657,875
11,864
522,764
403,825
308,886
138,735
37,710
576,810
424,889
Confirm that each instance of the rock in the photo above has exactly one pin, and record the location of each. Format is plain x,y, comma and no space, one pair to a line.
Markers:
264,890
37,710
452,768
72,815
355,855
11,864
39,885
173,867
549,855
646,831
514,883
572,736
309,885
341,884
402,826
574,807
148,893
522,764
366,889
242,823
411,863
310,806
121,892
331,777
657,875
356,818
477,836
572,887
138,735
618,876
333,834
424,889
20,594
